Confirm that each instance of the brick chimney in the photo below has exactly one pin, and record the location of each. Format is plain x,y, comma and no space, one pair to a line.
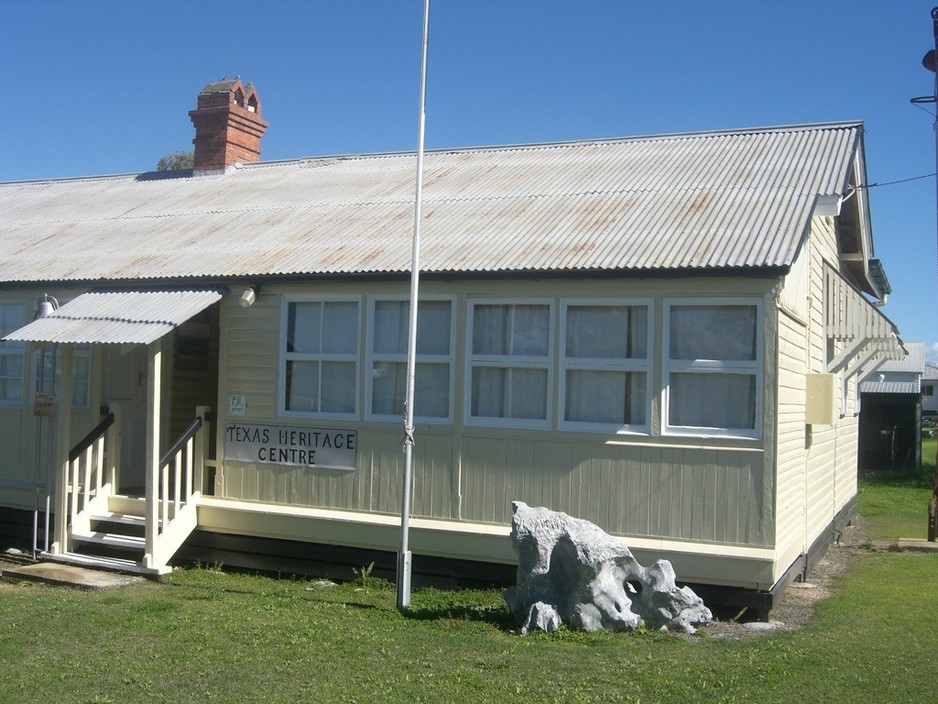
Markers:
228,125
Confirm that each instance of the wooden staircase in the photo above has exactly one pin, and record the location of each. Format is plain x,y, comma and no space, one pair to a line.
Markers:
106,530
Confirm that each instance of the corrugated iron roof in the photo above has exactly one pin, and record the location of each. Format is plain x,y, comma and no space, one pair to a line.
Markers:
890,387
712,200
120,317
913,362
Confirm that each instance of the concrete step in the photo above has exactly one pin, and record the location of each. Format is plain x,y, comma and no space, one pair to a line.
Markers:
112,564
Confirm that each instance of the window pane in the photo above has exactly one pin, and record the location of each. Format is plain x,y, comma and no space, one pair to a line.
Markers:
605,397
713,332
392,319
390,327
490,329
304,327
531,331
607,332
431,389
712,400
11,390
388,380
340,327
338,387
522,330
528,393
433,327
302,386
489,392
80,394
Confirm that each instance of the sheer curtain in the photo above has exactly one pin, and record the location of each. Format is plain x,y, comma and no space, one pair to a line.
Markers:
510,356
713,352
389,363
322,356
605,353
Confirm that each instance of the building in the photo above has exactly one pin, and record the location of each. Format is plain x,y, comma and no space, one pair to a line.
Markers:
891,414
662,335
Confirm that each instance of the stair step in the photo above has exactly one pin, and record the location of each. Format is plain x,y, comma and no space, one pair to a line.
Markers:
126,519
113,540
114,564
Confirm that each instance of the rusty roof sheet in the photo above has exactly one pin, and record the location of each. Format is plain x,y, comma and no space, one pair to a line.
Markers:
700,201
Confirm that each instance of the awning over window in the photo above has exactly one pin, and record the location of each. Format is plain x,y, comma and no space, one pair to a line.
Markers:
117,317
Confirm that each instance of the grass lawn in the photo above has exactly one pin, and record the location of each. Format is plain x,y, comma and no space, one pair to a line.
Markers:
203,635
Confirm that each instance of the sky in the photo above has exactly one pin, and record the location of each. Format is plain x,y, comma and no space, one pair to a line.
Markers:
100,86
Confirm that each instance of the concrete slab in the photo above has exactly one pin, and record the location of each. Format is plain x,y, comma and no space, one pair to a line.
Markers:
917,545
68,575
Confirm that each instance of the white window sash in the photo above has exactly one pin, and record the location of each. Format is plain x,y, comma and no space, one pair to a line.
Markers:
424,361
620,367
320,359
743,368
516,370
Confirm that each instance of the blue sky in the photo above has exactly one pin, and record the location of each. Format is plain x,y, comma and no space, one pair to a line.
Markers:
99,86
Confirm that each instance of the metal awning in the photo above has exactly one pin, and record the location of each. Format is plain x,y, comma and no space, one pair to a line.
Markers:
117,317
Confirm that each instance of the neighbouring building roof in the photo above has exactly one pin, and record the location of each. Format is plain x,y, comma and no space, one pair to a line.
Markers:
710,201
898,376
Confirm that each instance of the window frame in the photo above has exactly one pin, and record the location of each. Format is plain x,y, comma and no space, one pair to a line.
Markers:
750,368
285,357
14,349
371,357
606,364
80,351
473,361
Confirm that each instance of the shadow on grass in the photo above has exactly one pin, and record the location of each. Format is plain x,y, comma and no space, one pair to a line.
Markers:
496,617
902,479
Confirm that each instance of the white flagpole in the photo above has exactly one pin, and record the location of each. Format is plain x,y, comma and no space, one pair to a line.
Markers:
404,557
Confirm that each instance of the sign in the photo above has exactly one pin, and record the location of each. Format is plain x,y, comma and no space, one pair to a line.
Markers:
300,447
44,404
237,404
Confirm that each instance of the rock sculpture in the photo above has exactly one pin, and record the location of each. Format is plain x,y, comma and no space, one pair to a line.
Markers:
571,572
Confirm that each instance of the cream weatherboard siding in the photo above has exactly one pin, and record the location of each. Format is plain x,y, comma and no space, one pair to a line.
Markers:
669,490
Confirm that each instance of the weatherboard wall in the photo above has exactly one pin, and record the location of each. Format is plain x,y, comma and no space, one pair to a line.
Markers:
709,491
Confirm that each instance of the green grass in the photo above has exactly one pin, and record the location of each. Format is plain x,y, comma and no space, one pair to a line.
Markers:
204,635
896,505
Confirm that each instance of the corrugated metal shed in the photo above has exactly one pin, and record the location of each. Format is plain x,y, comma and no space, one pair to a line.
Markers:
703,201
898,376
118,317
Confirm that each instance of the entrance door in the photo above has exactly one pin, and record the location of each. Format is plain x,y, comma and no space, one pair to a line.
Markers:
126,383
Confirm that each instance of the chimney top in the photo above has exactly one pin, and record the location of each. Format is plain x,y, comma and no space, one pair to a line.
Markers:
228,125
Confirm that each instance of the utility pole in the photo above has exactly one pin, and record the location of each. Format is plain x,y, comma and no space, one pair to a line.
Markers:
930,61
404,556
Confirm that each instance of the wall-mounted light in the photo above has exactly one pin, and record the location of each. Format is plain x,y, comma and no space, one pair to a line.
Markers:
248,296
47,306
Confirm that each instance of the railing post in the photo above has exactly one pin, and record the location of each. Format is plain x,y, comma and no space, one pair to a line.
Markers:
113,446
154,378
63,437
200,449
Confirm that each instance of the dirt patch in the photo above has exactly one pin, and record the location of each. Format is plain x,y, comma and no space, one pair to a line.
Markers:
796,607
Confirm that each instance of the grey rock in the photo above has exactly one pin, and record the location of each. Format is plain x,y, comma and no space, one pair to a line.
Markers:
571,572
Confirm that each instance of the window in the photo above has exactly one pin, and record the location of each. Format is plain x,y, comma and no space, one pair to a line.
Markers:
605,366
320,352
928,390
12,317
713,368
47,356
509,362
390,320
